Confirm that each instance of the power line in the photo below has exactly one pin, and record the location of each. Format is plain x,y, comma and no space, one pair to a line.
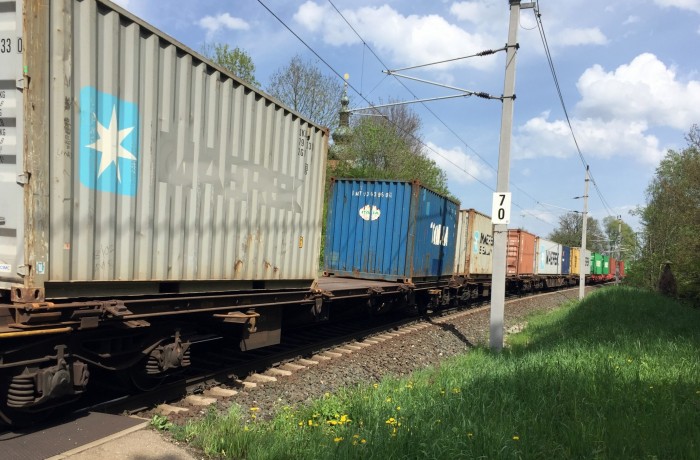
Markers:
389,120
548,54
483,53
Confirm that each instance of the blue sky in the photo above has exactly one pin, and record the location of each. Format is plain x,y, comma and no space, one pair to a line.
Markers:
628,72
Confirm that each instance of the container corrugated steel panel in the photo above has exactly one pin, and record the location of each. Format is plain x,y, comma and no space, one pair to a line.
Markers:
588,263
149,163
390,230
621,265
606,265
521,253
575,261
11,146
565,260
548,257
474,247
597,267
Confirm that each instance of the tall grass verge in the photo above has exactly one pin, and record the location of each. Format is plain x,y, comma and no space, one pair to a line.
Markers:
616,376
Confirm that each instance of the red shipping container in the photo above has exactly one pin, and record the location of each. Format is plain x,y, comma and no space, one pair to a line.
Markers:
520,257
621,264
613,267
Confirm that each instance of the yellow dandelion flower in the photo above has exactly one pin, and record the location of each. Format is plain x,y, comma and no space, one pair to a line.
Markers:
470,435
245,428
376,385
456,390
332,422
301,423
254,409
516,438
344,418
391,421
398,407
311,423
327,395
388,399
629,360
356,436
338,439
354,443
363,441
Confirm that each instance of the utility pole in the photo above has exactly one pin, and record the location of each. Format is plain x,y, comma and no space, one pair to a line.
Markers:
619,243
498,282
582,258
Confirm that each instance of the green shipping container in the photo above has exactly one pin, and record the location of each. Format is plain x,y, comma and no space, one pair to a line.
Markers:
597,268
606,265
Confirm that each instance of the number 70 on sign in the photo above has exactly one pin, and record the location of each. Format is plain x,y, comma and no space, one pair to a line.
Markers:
500,211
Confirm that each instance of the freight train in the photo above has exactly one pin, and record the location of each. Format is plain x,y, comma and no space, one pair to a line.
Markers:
151,201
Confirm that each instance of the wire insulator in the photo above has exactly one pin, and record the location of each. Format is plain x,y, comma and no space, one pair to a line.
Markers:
485,53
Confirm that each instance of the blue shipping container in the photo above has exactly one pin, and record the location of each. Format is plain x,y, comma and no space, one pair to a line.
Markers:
565,260
389,230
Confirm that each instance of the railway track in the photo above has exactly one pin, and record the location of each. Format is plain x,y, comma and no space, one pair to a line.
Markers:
298,352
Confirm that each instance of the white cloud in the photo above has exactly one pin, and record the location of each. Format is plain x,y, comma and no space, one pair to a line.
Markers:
644,90
692,5
407,40
576,37
616,115
631,20
213,24
461,168
480,12
539,137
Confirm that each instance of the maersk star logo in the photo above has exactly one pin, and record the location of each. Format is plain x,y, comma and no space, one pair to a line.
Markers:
108,142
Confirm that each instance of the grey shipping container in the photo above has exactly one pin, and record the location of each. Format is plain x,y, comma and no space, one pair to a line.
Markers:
131,164
474,251
548,257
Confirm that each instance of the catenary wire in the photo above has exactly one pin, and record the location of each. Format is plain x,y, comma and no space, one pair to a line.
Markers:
543,37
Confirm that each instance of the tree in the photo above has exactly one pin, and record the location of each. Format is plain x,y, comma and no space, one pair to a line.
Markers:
303,87
236,61
570,231
671,220
388,146
626,239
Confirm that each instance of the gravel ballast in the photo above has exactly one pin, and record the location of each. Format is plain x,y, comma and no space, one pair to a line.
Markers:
397,356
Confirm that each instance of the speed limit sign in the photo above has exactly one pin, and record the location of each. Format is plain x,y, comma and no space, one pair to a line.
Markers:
500,210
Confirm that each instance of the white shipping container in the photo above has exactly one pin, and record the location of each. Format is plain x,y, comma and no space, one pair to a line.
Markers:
474,252
548,257
144,163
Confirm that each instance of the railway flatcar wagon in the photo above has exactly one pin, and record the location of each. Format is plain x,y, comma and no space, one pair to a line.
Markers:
474,250
389,230
140,184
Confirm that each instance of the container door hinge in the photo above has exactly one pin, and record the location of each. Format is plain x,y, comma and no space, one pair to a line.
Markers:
23,179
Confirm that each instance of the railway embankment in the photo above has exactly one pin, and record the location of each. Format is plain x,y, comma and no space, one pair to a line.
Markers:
615,376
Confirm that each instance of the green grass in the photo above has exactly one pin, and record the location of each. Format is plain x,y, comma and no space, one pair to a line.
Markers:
617,376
